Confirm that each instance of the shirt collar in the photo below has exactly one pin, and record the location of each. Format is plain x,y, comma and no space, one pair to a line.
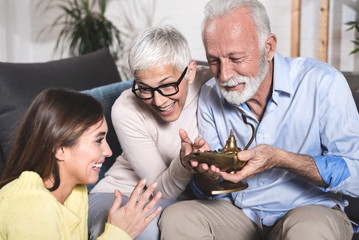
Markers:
281,75
281,83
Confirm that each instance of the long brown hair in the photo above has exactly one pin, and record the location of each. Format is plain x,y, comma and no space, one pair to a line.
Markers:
56,118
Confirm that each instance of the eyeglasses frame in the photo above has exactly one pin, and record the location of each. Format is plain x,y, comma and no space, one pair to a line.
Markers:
177,83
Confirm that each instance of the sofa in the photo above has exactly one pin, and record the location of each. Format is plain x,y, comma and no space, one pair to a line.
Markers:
95,74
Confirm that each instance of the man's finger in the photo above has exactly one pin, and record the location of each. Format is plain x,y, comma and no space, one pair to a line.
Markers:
244,155
236,177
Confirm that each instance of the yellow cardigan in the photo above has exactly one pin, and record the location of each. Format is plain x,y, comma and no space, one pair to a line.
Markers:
29,211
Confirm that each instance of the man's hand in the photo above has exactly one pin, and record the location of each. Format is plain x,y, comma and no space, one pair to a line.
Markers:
259,159
264,157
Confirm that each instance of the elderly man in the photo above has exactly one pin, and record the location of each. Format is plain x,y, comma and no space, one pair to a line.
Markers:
306,148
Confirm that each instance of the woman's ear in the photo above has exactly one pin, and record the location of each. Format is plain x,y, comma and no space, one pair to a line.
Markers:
271,46
191,71
60,153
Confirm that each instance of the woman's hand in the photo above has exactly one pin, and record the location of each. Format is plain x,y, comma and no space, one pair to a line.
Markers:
132,217
188,147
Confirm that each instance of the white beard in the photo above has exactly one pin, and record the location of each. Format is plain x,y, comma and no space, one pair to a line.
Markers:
251,84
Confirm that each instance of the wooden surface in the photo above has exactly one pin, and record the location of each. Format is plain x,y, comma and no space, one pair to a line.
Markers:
323,30
295,28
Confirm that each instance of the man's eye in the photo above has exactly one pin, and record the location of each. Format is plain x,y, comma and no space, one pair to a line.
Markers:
240,59
213,61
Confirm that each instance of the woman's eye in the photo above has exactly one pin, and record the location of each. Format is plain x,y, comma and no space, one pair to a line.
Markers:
99,140
167,86
144,90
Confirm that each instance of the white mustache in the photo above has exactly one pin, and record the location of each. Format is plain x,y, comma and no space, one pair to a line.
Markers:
234,81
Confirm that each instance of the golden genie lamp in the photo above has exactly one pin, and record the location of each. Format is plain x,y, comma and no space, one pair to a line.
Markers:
226,160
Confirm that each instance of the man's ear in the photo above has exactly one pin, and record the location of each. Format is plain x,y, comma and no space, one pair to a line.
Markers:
191,71
60,153
271,46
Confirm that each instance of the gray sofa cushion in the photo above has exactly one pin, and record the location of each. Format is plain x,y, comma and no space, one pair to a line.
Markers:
356,97
353,209
21,82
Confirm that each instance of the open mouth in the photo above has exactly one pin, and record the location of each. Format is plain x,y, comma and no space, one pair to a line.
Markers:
167,108
97,166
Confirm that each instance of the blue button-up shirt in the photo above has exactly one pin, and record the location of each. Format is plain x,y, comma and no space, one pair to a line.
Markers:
311,112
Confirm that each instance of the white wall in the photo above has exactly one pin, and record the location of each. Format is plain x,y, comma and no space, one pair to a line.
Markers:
21,22
340,43
2,31
187,15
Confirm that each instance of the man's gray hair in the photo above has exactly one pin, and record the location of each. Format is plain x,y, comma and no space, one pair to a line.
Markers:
157,46
220,8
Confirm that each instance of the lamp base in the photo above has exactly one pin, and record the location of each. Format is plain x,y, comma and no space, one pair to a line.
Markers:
227,187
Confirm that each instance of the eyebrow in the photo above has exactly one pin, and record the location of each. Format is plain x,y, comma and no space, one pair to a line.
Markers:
244,53
100,134
161,81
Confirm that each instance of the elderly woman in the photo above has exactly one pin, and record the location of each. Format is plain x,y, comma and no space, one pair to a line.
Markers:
147,120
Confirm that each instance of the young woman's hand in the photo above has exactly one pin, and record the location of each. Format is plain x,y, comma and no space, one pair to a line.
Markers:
134,216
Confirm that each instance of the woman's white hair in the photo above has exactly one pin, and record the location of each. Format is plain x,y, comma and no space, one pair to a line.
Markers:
220,8
156,46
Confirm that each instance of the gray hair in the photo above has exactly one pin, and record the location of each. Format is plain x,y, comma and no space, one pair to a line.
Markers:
220,8
156,46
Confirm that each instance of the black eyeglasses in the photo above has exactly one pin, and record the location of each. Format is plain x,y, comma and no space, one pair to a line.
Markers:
167,89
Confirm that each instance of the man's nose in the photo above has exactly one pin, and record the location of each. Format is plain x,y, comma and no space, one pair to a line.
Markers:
226,71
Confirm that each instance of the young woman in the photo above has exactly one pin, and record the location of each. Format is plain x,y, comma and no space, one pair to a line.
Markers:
59,148
147,120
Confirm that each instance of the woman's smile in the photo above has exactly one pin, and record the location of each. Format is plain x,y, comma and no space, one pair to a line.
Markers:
168,108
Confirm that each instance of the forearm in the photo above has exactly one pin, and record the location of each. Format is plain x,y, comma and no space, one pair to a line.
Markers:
299,164
173,180
144,156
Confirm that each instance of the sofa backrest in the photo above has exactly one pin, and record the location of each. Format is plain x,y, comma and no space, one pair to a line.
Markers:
356,98
21,82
